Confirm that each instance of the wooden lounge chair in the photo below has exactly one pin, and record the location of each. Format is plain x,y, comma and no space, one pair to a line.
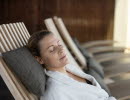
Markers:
65,34
50,26
8,43
109,72
111,56
98,43
13,36
78,54
90,45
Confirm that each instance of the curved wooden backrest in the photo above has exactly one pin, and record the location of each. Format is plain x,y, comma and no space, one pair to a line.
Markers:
65,34
51,27
13,36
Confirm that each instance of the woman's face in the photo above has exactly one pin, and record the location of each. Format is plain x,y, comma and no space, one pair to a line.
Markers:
52,52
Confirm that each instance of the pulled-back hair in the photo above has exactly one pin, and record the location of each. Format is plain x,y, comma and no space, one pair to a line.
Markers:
33,42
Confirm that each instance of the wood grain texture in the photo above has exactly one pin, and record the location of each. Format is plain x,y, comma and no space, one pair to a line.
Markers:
85,19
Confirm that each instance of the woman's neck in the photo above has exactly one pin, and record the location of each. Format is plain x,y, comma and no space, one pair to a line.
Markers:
59,69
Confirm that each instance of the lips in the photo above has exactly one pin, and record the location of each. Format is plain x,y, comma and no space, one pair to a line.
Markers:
62,57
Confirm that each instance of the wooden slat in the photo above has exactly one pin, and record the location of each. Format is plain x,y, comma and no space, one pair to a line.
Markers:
16,35
19,34
13,35
110,56
3,44
9,36
97,43
6,39
22,34
105,49
20,24
2,49
25,29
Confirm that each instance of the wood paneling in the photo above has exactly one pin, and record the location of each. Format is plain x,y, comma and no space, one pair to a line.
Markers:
21,10
85,19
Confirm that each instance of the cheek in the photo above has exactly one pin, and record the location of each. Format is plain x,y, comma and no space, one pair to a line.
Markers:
51,60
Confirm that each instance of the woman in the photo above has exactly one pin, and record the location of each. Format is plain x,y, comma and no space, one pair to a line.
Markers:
65,81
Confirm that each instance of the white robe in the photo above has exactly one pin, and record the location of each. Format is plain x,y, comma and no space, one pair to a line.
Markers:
63,87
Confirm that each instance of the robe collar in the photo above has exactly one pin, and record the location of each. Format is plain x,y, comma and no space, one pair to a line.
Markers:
74,70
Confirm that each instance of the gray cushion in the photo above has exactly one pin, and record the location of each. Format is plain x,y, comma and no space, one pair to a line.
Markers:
99,79
96,66
91,62
26,67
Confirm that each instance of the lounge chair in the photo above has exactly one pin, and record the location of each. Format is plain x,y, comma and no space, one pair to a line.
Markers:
91,61
11,42
100,58
51,26
13,36
64,33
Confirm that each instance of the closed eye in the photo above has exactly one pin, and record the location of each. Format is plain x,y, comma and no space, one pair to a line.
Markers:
60,45
51,49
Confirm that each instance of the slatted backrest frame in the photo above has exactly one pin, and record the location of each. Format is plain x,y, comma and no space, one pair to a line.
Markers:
13,36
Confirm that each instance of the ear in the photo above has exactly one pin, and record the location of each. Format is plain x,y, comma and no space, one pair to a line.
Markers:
39,59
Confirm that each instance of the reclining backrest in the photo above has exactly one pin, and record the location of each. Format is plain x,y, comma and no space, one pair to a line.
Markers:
51,27
13,36
65,34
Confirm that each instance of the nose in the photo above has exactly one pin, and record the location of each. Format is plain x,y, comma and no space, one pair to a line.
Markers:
61,49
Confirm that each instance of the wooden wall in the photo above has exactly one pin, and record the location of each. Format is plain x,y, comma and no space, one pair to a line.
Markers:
85,19
21,10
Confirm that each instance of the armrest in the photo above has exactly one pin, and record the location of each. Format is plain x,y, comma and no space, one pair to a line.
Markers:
97,43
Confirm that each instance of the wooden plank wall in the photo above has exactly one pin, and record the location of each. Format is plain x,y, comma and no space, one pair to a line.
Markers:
85,19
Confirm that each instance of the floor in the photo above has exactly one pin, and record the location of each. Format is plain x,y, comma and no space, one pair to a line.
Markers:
119,78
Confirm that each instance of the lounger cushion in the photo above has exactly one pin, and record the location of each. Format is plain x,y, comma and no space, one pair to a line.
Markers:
84,51
26,67
91,62
99,79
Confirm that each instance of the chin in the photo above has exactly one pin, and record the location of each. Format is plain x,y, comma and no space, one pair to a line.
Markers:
67,62
64,61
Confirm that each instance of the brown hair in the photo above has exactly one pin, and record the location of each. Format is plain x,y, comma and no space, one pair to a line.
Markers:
33,42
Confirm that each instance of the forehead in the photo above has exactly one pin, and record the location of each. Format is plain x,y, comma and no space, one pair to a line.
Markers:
48,40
